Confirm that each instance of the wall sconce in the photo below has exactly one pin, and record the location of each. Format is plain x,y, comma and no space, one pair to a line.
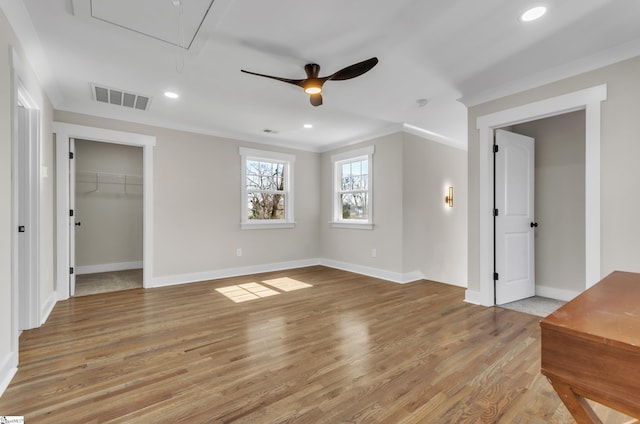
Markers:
449,198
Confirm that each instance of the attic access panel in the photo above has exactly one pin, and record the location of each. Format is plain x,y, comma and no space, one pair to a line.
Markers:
160,20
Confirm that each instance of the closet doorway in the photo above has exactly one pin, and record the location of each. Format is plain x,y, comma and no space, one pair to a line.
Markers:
108,215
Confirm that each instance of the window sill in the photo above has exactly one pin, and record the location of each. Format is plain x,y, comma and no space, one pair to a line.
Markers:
352,225
266,225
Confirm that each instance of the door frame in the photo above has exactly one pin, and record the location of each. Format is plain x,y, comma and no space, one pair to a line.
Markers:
589,100
64,132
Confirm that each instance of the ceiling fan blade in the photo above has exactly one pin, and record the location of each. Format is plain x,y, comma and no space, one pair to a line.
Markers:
316,99
297,82
354,70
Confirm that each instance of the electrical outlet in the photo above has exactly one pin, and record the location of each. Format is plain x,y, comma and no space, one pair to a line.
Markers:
374,253
239,251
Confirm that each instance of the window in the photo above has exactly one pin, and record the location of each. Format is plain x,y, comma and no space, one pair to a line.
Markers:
353,188
267,189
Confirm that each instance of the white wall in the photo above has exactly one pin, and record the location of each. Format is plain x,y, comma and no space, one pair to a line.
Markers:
435,235
353,246
110,235
620,175
559,200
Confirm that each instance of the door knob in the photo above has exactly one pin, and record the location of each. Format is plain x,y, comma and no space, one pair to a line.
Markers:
78,224
533,224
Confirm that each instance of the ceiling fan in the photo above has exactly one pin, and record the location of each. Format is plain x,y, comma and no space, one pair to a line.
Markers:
312,85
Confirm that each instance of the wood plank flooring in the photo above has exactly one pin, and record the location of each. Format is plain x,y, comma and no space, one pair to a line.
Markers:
348,348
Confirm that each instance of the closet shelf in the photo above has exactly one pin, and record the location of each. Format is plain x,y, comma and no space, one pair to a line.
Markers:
107,178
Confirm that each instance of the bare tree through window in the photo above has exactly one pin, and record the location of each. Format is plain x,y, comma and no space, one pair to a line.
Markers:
266,184
352,201
354,189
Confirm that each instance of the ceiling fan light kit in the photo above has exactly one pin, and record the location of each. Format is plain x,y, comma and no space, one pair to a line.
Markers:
312,85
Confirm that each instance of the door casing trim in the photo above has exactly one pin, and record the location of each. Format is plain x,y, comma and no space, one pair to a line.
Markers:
64,132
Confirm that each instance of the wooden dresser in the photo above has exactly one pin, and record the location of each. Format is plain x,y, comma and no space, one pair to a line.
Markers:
591,348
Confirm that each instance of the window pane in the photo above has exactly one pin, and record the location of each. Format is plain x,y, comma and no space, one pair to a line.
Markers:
355,168
346,169
265,175
253,176
345,177
265,206
347,183
354,176
355,206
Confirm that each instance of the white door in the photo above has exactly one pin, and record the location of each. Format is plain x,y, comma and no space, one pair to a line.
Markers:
72,217
514,223
24,266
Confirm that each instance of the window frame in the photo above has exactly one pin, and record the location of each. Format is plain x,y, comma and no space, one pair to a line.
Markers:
337,160
288,161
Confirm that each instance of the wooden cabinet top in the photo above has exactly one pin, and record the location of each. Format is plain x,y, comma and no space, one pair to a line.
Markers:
608,312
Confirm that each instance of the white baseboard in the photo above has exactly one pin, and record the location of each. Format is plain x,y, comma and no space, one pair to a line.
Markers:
396,277
553,293
119,266
8,369
437,279
171,280
409,277
475,297
472,296
48,307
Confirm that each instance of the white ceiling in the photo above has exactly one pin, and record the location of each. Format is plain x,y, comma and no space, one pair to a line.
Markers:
452,53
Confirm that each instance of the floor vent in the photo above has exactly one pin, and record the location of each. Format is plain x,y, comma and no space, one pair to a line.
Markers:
118,97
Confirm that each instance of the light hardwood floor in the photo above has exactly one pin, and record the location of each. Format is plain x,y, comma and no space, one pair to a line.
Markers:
347,348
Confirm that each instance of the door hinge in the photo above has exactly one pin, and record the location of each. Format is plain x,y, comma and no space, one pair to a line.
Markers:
21,229
495,212
70,212
70,270
70,155
495,148
495,276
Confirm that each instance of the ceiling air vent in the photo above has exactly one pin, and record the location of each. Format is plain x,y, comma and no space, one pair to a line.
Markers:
118,97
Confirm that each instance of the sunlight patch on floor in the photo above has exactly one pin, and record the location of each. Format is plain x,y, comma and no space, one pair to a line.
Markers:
287,284
249,291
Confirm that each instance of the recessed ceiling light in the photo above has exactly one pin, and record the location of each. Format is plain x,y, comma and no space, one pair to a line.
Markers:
171,94
308,125
533,14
